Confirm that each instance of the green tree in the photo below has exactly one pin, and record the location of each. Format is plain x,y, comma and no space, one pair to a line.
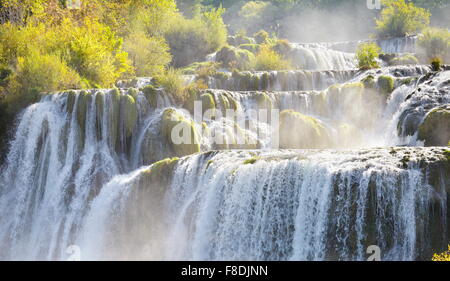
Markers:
435,43
399,18
367,54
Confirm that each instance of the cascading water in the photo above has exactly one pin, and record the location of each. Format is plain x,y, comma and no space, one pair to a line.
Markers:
290,205
77,174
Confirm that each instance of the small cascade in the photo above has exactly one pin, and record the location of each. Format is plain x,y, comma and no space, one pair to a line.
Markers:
321,58
392,45
295,80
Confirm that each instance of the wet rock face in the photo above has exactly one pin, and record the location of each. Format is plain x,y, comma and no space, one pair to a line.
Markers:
299,131
435,129
425,109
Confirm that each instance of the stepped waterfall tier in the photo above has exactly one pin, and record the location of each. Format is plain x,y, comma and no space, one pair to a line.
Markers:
342,160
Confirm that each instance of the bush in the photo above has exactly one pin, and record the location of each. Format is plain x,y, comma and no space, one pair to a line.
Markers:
367,53
44,73
268,59
173,83
96,53
261,36
191,40
234,57
404,60
149,55
399,18
435,43
445,256
436,64
256,15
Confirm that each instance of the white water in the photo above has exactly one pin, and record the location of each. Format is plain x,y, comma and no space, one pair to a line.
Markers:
300,205
62,183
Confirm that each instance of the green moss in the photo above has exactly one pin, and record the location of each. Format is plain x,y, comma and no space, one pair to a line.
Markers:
209,163
71,98
151,94
230,56
129,113
252,160
133,92
265,81
301,131
369,81
385,84
84,99
435,130
404,60
406,81
232,102
208,102
447,153
171,119
263,101
158,175
99,108
254,48
221,76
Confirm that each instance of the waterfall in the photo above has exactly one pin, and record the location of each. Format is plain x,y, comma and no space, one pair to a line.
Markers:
99,169
290,205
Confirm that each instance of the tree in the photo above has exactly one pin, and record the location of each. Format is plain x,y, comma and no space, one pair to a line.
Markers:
367,53
399,18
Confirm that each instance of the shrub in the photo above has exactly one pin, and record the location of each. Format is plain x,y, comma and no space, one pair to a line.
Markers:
234,57
435,42
96,53
149,55
445,256
256,15
399,18
268,59
367,53
436,64
173,83
261,36
191,40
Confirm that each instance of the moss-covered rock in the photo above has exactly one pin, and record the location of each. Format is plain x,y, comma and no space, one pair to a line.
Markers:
251,160
152,185
408,59
128,113
240,40
208,102
353,88
254,48
184,129
369,81
298,131
435,129
83,102
133,92
151,94
114,112
385,84
231,55
263,101
99,108
71,98
160,172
